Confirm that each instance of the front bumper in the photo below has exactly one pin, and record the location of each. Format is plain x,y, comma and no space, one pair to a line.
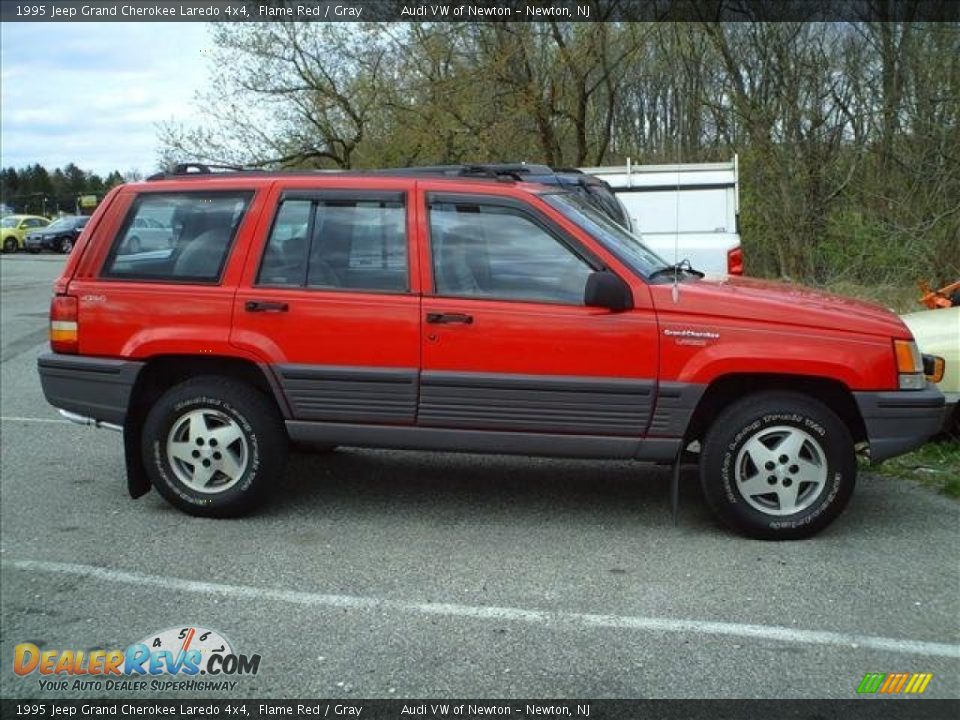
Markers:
898,421
97,388
43,242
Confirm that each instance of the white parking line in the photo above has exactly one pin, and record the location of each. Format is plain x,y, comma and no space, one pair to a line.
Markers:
480,612
16,418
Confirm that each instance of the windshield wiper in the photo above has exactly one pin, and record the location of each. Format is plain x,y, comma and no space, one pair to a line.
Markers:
681,267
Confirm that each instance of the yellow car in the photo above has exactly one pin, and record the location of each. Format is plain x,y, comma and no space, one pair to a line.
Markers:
14,228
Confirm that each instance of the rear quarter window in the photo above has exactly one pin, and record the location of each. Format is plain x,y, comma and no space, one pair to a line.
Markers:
177,237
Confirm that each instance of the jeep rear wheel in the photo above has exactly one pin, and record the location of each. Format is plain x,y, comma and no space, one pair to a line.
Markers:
778,466
213,445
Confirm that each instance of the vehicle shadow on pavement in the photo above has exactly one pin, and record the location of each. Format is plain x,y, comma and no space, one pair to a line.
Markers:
501,488
365,481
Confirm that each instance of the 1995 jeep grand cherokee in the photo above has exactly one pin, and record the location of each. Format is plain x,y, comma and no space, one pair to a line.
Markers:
456,314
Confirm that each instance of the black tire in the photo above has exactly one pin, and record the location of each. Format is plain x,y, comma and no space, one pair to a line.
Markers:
65,245
764,420
10,245
260,448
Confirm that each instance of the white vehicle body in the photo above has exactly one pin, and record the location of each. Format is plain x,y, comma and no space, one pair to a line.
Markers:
687,211
937,332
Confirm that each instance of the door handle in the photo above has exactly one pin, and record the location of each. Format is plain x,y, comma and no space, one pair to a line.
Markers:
265,306
449,318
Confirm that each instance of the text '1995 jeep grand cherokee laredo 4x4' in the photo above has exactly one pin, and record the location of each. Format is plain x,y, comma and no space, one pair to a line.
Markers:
457,314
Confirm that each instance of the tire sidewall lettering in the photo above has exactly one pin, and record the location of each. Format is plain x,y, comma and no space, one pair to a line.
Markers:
817,510
162,464
728,473
726,467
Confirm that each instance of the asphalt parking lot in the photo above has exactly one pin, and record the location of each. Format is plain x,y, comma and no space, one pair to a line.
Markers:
389,574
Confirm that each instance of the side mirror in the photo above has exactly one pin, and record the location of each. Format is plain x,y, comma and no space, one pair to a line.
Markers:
605,289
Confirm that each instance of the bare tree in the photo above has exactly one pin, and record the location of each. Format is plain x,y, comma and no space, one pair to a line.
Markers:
287,94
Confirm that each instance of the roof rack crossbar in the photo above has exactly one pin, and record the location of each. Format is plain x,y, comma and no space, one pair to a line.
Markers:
494,171
196,168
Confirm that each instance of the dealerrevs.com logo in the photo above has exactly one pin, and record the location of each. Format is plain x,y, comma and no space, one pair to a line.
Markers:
173,659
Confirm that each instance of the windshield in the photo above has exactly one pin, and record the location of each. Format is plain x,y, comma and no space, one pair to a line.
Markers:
625,245
9,222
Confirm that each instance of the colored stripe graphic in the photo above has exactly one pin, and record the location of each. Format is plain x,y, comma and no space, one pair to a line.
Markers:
894,683
925,680
871,682
890,683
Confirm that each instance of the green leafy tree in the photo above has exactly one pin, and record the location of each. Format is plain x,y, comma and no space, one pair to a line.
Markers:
847,133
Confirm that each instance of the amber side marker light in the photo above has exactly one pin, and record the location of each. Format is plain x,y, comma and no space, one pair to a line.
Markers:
934,367
64,335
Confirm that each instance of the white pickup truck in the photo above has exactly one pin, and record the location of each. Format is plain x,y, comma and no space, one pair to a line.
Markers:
687,211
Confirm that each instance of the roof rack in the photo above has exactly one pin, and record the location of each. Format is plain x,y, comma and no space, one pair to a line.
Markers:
181,169
502,172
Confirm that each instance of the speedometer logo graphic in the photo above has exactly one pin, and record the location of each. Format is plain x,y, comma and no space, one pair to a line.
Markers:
180,640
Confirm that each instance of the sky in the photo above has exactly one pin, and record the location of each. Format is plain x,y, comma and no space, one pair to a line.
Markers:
94,93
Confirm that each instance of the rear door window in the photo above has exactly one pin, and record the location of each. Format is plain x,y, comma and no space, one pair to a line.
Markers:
338,242
201,226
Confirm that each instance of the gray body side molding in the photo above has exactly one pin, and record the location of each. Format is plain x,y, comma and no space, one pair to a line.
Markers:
535,403
676,402
349,394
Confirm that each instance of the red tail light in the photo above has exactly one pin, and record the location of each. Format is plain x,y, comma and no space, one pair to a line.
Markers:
735,261
64,337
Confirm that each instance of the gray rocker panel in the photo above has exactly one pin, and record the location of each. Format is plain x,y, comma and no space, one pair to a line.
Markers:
483,441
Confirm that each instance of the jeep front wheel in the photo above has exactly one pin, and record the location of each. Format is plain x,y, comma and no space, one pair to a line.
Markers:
212,446
778,466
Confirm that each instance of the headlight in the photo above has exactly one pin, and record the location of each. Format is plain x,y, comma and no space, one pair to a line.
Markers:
909,365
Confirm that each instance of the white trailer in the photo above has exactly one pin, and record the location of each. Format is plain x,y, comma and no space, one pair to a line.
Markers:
688,211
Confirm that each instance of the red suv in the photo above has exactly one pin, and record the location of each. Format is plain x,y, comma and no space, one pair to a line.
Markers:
457,314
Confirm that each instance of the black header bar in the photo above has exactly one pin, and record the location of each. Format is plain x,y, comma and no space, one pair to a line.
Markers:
476,10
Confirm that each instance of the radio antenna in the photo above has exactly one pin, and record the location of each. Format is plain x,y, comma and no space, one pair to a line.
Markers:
675,292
